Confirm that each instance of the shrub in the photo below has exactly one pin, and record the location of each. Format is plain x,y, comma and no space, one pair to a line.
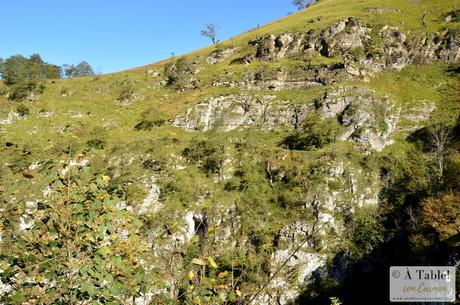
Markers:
442,215
98,139
366,230
179,75
316,134
22,110
23,90
126,91
96,143
209,156
3,90
83,248
357,52
148,124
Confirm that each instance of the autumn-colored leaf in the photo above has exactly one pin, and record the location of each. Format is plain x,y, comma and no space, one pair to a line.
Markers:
222,274
199,261
211,262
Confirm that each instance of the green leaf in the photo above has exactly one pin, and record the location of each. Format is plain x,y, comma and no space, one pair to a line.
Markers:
89,288
232,296
18,298
85,170
104,251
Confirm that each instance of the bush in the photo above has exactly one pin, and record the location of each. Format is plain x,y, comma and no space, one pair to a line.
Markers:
126,91
367,230
316,134
148,124
179,75
96,143
98,138
82,249
3,90
23,90
22,110
209,156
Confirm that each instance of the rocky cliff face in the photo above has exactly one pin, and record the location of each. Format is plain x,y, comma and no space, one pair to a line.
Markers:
233,111
367,119
373,48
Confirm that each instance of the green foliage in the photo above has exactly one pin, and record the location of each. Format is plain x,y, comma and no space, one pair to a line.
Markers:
179,74
367,231
81,246
26,75
269,190
19,69
315,134
148,124
82,69
208,155
208,282
357,52
403,167
3,89
22,110
374,45
23,90
302,4
98,139
126,91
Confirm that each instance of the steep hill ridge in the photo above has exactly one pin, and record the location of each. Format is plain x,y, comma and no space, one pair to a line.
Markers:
266,152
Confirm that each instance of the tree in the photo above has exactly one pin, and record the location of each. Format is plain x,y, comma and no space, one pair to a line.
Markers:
82,69
302,4
211,31
443,215
2,62
26,75
17,69
440,137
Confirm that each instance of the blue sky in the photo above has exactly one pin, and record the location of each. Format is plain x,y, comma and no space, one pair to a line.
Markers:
114,35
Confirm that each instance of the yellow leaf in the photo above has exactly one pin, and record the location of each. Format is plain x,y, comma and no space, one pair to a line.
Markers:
238,293
222,274
221,287
198,261
191,275
106,179
212,262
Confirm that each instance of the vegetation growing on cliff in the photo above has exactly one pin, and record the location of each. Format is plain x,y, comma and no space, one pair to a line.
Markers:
105,198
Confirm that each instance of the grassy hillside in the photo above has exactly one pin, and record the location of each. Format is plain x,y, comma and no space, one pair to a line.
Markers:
121,124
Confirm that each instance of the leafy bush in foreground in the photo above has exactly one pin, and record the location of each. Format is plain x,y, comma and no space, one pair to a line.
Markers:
79,246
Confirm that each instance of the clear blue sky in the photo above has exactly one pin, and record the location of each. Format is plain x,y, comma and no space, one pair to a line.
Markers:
114,35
